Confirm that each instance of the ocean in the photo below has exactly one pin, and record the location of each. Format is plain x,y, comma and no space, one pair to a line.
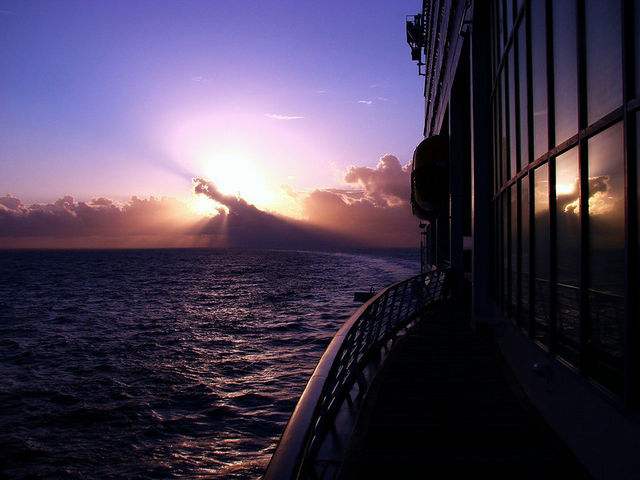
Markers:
165,363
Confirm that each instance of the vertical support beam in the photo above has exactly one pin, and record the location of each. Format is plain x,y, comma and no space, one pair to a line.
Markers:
553,238
481,159
459,151
585,330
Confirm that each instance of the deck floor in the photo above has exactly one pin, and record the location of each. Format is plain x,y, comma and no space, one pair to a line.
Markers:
446,405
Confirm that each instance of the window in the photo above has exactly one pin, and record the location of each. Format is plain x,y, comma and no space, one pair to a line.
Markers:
513,198
512,115
541,270
522,92
539,76
524,248
604,57
568,256
637,46
573,306
565,70
606,255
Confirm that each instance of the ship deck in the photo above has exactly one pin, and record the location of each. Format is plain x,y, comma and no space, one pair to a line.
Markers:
446,403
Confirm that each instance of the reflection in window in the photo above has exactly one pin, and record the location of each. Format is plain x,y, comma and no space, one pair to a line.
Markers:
539,75
604,57
522,92
565,69
541,269
606,254
524,245
568,255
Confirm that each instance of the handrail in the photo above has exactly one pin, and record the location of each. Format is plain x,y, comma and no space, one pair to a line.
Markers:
342,363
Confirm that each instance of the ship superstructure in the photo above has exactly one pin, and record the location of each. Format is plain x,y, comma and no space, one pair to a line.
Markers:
532,119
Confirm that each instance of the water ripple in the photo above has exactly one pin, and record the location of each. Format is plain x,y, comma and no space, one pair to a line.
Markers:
165,363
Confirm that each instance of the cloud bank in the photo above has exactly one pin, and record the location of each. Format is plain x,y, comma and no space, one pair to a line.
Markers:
99,223
375,212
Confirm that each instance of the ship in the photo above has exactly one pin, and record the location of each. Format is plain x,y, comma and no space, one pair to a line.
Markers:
526,190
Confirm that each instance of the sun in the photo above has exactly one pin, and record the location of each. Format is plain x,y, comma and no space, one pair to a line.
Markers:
235,174
205,206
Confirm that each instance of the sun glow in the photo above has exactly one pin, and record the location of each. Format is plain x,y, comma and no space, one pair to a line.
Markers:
239,176
562,189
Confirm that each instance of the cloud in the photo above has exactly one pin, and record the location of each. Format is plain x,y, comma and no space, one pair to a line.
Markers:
376,214
276,116
386,185
99,223
373,213
365,102
600,200
199,79
247,226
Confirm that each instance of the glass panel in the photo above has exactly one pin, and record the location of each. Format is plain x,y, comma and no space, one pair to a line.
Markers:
637,46
494,37
522,89
604,57
504,140
565,69
496,145
606,255
541,222
505,251
512,114
509,16
524,245
514,250
568,258
539,76
500,29
498,252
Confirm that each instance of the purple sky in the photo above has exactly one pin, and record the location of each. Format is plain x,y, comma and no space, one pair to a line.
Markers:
136,98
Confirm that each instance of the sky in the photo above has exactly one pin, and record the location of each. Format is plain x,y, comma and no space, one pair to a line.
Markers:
309,110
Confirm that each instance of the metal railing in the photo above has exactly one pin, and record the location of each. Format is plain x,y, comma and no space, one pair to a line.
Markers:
340,370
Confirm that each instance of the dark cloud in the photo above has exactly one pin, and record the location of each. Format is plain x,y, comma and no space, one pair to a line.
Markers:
246,226
97,223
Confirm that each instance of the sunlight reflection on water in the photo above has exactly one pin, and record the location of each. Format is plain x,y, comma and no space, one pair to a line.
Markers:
165,363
